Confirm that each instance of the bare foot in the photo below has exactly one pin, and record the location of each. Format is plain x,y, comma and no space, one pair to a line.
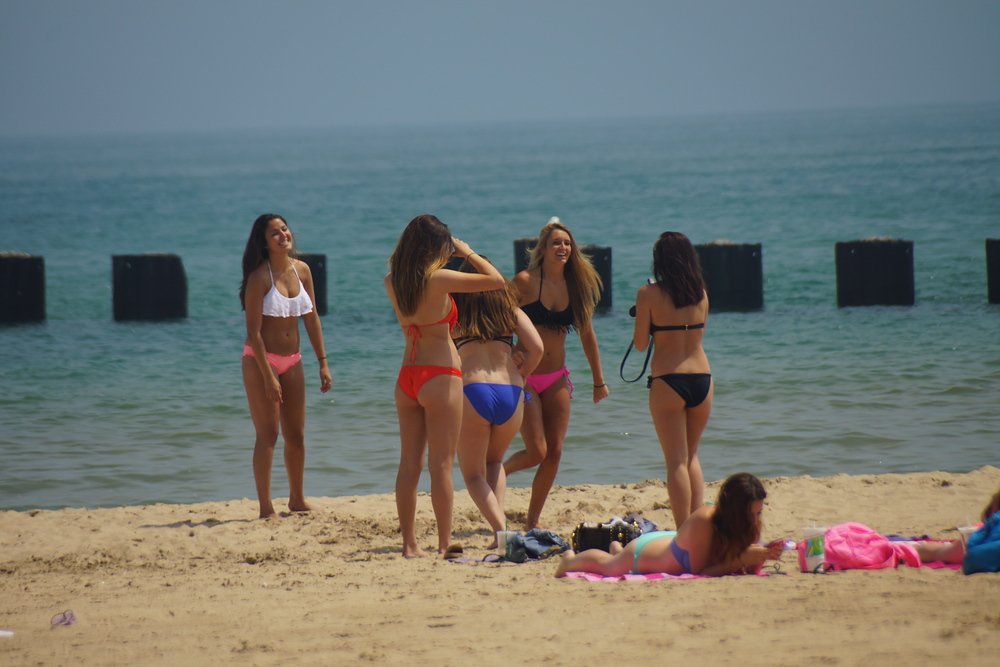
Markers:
413,552
563,566
268,516
302,506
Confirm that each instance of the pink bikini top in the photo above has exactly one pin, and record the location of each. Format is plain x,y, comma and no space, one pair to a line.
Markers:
277,304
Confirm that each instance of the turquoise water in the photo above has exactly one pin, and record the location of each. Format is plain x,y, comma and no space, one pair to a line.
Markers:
98,413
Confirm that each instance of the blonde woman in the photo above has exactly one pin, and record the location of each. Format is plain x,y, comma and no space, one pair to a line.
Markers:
429,387
558,291
494,389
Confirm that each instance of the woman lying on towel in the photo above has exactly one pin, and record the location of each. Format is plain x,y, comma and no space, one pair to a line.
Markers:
715,540
954,550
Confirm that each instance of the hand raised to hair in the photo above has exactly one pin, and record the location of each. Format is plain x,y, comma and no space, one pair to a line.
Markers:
462,249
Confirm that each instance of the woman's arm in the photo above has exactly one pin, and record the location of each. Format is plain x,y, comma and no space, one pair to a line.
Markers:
751,560
529,342
314,329
588,338
640,334
487,278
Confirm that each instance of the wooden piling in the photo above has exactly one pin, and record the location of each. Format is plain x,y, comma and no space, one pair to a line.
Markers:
875,272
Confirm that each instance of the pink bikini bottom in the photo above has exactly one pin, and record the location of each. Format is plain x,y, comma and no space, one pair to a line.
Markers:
282,363
539,382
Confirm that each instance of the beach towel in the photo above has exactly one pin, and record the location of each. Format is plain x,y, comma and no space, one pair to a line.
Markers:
650,576
855,546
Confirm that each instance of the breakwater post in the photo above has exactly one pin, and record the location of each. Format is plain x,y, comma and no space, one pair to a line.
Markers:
874,272
734,275
600,257
149,287
22,288
993,270
317,266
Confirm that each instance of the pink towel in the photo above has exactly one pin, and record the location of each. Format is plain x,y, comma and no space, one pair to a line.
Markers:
652,576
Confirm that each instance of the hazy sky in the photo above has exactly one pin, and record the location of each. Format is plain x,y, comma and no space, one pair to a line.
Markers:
71,66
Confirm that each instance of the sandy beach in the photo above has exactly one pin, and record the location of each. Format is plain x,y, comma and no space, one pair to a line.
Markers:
210,584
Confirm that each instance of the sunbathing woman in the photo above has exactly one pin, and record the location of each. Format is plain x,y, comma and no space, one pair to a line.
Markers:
670,314
715,540
429,388
494,389
953,551
559,291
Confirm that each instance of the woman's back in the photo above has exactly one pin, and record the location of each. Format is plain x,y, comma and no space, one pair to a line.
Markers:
677,333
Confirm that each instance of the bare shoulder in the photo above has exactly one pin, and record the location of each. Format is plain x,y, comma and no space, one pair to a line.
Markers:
302,268
524,280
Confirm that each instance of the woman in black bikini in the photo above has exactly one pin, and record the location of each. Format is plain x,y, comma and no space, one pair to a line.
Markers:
558,292
670,314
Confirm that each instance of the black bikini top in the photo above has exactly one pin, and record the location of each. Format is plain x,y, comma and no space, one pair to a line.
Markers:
653,328
464,340
543,317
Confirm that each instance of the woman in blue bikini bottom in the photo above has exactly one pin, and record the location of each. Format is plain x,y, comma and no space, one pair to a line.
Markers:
493,374
715,540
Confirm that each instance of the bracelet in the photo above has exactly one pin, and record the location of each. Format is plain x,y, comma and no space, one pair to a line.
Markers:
321,358
471,254
598,386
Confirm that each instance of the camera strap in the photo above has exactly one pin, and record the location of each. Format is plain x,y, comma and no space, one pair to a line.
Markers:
621,368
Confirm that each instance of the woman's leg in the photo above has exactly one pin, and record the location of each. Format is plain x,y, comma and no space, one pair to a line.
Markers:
597,562
472,446
533,435
441,398
293,429
670,420
265,415
697,419
555,416
412,445
500,438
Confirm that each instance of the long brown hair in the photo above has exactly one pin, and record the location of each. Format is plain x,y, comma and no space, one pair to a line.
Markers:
993,507
677,270
485,315
734,528
423,248
255,252
582,280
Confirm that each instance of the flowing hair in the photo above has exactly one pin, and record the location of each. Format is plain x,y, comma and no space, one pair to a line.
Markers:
582,280
255,253
677,270
486,315
734,528
423,248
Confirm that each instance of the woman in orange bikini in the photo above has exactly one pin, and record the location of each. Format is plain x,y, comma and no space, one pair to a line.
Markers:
670,314
558,291
429,389
276,291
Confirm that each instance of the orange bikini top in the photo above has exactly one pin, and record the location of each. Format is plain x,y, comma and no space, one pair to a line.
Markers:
413,330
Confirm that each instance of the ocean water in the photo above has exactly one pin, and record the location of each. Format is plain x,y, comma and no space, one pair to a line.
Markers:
99,413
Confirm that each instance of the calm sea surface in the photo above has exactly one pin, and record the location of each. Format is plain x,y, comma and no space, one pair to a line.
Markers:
99,413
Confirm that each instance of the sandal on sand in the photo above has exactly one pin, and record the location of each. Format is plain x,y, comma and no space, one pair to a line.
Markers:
453,551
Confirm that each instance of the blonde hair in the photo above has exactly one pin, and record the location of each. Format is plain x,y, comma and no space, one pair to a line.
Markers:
486,315
423,248
583,282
